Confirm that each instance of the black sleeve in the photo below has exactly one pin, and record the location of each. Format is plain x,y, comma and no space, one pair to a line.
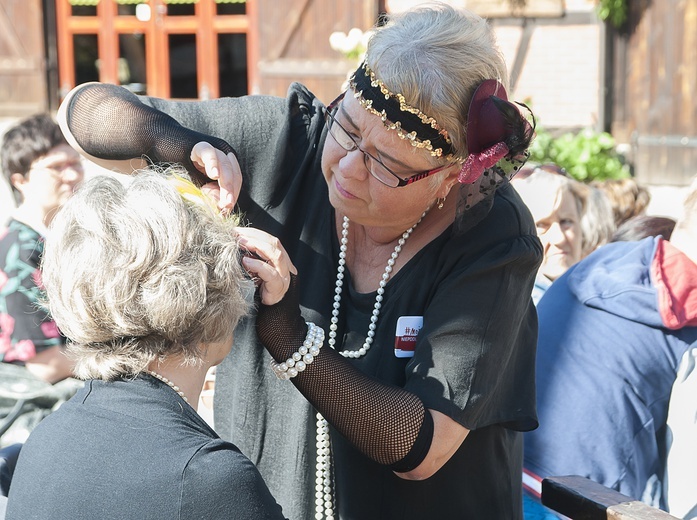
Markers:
110,122
387,423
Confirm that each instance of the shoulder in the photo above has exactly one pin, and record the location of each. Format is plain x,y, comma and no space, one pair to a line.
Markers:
219,473
506,231
221,464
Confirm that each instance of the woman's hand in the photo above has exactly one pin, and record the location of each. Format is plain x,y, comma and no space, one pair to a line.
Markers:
268,261
223,169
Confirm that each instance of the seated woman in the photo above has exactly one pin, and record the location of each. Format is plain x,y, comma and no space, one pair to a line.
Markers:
557,204
146,282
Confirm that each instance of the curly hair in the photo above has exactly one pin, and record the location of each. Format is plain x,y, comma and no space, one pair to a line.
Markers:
134,273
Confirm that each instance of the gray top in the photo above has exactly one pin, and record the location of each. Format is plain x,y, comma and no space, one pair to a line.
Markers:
133,449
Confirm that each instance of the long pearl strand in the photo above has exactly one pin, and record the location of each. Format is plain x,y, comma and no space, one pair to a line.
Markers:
169,384
324,495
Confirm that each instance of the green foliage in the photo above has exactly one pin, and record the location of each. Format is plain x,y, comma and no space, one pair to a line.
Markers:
614,11
586,155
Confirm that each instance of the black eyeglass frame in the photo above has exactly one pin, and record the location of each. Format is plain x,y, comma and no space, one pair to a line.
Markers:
331,120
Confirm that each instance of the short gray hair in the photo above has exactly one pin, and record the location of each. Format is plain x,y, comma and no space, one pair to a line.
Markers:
134,273
436,56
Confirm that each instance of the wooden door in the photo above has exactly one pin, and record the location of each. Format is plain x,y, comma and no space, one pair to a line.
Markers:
22,62
164,48
293,43
654,84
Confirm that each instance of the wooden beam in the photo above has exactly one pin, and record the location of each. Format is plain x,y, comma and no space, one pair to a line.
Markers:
581,498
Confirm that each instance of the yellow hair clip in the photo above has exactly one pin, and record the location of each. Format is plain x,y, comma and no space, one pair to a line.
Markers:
192,193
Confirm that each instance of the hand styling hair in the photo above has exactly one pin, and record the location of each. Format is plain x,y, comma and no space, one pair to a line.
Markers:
136,272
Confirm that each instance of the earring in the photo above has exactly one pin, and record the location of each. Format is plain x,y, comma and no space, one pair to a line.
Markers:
440,202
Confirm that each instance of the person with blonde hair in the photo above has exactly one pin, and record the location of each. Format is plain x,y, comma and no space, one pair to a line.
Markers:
597,224
388,372
627,198
145,281
558,205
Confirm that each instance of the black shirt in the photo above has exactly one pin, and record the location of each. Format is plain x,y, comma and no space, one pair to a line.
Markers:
133,449
474,358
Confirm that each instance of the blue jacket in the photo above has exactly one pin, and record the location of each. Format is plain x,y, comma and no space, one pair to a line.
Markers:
606,363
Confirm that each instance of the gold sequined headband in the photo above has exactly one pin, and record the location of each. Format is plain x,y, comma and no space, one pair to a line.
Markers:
410,123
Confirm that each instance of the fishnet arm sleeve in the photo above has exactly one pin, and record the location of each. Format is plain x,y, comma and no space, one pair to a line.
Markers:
386,423
109,122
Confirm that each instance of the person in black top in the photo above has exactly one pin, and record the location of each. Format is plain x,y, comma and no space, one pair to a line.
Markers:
146,283
409,329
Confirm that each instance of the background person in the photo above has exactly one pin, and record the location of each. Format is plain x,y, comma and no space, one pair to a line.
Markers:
413,255
34,372
627,198
643,226
557,204
144,341
43,171
618,338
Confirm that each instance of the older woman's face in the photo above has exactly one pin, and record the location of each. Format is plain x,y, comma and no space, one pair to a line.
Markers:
354,192
559,228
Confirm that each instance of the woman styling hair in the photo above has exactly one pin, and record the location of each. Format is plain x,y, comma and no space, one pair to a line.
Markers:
415,260
146,283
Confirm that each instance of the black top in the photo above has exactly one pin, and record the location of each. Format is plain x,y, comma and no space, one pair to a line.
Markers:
474,356
133,449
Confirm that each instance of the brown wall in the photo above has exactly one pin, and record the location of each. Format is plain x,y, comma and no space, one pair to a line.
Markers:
22,58
294,43
655,89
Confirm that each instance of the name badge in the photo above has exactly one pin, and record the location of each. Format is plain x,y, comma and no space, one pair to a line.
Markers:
408,328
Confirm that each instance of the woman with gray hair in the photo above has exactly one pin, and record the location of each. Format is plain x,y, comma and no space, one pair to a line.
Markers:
558,206
412,254
146,283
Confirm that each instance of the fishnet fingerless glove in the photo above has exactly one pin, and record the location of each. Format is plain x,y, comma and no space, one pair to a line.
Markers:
110,122
386,423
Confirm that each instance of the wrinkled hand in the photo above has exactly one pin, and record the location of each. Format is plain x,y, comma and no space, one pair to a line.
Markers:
280,326
223,169
268,261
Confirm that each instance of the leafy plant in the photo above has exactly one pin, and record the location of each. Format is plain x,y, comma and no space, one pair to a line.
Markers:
587,155
613,10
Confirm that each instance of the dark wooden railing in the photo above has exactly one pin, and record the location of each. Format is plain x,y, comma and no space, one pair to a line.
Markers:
582,499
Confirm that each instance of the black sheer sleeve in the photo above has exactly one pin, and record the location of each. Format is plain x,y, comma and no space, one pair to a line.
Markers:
110,122
387,423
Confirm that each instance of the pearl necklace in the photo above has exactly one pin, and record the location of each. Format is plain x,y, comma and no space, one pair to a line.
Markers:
324,495
169,384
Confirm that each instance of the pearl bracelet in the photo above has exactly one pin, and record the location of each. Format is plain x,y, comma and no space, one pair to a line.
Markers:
305,355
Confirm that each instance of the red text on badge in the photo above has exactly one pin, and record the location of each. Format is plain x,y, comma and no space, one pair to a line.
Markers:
408,328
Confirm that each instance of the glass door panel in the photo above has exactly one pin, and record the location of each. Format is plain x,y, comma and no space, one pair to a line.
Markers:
86,58
232,64
132,66
183,66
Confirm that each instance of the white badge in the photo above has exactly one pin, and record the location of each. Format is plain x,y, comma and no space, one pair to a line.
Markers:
408,328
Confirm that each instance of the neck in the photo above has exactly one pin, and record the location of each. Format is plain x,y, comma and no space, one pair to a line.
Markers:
189,378
38,220
375,236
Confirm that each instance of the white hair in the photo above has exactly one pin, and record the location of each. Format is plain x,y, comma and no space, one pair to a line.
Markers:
135,273
436,56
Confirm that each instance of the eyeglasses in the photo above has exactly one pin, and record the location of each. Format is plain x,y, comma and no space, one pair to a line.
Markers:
60,169
374,165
